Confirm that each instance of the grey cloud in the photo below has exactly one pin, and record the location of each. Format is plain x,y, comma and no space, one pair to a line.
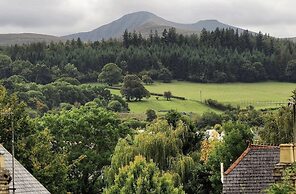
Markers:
36,13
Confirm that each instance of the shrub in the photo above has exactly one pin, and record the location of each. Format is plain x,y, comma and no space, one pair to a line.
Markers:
217,105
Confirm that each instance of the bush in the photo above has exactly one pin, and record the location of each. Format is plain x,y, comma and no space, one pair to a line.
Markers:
69,80
134,124
123,103
115,106
173,117
217,105
151,115
209,119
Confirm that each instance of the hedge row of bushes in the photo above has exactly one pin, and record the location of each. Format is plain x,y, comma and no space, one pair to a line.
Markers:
151,93
218,105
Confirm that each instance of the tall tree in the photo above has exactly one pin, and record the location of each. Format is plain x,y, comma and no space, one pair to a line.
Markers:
49,166
132,88
291,70
12,117
88,135
166,145
278,127
5,66
111,74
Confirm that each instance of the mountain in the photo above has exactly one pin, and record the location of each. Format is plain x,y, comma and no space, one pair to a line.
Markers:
26,38
145,22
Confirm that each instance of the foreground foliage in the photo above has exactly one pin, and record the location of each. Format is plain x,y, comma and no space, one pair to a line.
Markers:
78,142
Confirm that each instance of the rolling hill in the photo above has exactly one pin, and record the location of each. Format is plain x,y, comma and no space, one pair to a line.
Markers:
26,38
145,22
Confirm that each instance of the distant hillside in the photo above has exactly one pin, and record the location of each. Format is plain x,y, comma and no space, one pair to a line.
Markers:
145,22
26,38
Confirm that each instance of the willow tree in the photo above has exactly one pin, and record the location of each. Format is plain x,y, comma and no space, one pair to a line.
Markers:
141,176
160,143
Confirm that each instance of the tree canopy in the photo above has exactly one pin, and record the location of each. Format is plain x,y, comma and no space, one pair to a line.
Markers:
140,176
85,138
132,88
221,55
111,74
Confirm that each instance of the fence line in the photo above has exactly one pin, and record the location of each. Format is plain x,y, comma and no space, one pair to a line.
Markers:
246,103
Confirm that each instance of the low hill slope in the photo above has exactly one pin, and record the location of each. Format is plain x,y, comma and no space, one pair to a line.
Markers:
26,38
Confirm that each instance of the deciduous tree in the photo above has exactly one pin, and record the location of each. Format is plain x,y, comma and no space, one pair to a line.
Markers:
111,74
147,79
88,135
167,95
132,88
165,75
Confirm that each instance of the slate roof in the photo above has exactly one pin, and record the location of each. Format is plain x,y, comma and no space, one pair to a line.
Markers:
252,172
25,182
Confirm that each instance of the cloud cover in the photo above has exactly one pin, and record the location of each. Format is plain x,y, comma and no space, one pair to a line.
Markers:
61,17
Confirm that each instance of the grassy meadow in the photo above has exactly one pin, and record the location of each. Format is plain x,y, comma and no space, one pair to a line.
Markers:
162,104
260,95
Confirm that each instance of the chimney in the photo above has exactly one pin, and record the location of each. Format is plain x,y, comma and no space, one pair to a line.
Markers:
287,158
5,177
287,153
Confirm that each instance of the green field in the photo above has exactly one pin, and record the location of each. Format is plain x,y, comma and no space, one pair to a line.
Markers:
260,95
163,105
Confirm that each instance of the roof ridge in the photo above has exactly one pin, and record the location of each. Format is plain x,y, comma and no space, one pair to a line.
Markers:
262,146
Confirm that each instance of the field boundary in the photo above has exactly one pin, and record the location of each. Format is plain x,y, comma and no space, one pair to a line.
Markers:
151,93
256,103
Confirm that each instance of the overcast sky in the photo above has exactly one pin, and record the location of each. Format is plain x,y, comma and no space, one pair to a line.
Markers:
61,17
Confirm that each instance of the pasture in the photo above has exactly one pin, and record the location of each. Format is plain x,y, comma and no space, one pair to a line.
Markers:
260,95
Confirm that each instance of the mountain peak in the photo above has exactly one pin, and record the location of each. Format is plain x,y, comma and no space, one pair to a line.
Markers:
136,18
145,22
141,13
209,20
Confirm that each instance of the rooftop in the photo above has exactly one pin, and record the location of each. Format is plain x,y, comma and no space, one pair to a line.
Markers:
25,182
252,172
